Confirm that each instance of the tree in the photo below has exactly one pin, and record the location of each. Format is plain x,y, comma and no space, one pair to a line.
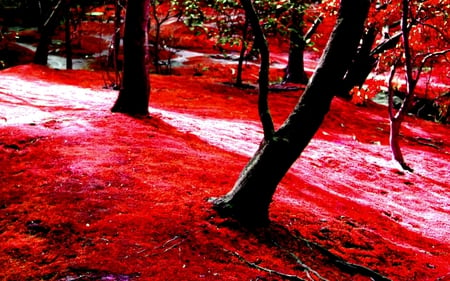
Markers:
68,37
134,94
298,40
160,12
46,30
252,194
230,27
412,76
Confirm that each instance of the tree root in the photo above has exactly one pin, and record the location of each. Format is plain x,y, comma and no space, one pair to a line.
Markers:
305,267
345,265
271,271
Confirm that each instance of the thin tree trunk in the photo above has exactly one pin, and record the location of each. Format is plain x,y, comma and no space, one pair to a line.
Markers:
134,94
156,47
116,41
68,38
252,194
242,54
394,142
263,82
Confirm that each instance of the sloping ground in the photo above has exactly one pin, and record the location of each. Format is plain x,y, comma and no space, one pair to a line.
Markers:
90,195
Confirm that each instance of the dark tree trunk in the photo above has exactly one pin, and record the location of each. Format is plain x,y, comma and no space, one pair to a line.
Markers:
116,41
46,31
156,47
251,195
68,38
295,70
135,91
362,65
263,81
242,54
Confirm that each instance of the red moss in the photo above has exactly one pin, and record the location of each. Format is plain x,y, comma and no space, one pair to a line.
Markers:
90,193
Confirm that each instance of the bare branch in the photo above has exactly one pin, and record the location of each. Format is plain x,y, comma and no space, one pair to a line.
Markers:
428,57
438,30
313,27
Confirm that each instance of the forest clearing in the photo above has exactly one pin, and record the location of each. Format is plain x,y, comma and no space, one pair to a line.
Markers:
90,194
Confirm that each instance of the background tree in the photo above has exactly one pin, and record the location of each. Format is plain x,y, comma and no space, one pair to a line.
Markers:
134,94
414,61
289,17
54,14
228,25
160,13
251,195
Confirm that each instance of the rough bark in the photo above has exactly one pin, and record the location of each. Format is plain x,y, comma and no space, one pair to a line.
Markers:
134,94
252,194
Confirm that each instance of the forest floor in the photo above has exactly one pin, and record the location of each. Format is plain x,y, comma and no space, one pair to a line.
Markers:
91,195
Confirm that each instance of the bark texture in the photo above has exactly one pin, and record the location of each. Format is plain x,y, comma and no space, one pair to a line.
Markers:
250,198
134,94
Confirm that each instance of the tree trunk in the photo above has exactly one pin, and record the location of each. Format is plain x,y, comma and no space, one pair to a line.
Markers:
156,46
116,41
46,31
252,194
242,54
362,65
394,142
135,91
295,70
68,38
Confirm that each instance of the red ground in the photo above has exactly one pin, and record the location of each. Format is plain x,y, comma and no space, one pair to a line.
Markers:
91,195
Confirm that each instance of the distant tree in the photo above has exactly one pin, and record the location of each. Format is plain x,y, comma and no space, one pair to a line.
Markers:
228,25
51,19
113,56
160,12
289,18
53,14
414,62
68,37
134,93
252,194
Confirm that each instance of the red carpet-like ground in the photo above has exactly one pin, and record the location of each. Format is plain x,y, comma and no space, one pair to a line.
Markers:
91,195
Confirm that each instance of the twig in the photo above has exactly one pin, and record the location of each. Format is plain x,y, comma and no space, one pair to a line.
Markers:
307,268
164,246
271,271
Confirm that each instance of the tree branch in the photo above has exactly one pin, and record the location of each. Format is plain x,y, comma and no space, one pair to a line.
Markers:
313,28
427,57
